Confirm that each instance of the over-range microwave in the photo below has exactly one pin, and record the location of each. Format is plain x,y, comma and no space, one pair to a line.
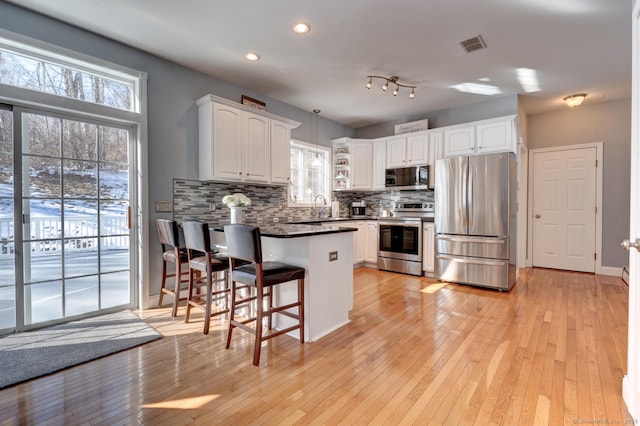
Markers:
414,177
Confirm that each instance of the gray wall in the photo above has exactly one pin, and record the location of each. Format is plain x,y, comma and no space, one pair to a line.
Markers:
610,123
491,108
172,89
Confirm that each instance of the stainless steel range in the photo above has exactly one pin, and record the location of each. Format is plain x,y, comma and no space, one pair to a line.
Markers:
400,239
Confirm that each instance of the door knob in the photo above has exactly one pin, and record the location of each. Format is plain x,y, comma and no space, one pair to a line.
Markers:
626,244
537,215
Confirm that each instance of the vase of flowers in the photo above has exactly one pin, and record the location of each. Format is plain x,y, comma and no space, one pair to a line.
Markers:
236,203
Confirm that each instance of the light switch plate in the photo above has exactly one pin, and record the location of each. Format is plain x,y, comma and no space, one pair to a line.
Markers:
163,206
333,255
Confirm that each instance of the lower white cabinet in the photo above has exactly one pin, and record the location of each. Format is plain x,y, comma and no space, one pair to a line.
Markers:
428,252
358,240
371,242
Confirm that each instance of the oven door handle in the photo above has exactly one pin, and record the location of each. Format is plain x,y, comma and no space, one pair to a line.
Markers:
400,223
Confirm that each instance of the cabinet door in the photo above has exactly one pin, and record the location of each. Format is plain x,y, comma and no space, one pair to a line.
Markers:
227,142
280,153
495,137
428,254
459,141
358,242
371,242
257,158
379,163
361,165
396,151
418,149
435,153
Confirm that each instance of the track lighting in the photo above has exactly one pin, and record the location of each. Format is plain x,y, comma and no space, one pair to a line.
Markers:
392,80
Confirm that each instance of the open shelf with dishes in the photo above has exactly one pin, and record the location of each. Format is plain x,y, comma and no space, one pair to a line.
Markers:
341,165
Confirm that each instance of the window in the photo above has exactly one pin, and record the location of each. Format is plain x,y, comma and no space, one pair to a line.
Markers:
310,167
29,67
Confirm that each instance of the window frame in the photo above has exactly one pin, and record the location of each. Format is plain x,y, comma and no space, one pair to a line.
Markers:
327,151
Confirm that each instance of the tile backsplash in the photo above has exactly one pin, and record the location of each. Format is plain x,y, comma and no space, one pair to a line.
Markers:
194,200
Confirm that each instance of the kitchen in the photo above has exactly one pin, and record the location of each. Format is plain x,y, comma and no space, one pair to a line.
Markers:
173,151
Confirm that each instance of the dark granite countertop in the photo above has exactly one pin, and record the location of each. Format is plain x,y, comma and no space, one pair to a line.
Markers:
292,230
349,219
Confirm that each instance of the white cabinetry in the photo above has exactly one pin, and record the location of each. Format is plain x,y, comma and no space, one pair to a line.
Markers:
379,163
435,153
459,141
280,153
428,252
361,165
358,239
240,144
481,137
352,164
407,150
371,242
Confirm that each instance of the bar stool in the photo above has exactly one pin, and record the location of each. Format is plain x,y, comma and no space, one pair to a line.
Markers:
244,245
213,265
172,252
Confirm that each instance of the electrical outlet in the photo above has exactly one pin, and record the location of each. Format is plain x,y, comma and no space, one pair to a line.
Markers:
333,255
212,207
163,206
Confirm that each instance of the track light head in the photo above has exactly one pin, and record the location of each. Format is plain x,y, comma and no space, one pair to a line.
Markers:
391,80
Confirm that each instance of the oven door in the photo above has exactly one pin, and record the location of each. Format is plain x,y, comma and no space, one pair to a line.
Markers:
400,240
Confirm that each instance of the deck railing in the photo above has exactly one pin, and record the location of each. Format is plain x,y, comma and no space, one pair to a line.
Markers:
80,233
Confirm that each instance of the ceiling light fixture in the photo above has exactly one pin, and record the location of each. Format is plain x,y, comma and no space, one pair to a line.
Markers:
392,80
301,28
575,100
251,56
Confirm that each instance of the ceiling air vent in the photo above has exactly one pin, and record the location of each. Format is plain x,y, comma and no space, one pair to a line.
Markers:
473,43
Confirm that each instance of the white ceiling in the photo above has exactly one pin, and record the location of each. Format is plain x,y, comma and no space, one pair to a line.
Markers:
566,46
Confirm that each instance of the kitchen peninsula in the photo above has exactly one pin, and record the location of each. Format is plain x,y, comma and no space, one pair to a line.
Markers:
328,283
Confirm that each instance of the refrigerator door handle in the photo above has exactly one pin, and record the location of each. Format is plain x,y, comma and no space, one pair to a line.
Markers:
474,260
465,197
483,240
470,196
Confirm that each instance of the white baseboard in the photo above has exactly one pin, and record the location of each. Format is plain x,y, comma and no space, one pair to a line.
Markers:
631,397
611,271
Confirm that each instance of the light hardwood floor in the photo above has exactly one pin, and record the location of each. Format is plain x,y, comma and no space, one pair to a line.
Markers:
551,351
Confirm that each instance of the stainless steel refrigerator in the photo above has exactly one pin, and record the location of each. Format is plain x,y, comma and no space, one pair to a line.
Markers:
475,220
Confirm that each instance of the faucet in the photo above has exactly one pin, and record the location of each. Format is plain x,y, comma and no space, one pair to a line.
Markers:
315,200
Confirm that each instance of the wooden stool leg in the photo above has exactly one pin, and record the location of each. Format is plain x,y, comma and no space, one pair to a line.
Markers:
189,296
259,317
207,308
176,291
164,280
270,304
232,314
301,307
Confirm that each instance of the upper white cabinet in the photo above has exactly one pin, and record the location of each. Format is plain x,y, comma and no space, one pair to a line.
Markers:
408,149
459,141
481,137
238,143
353,164
435,153
362,165
379,163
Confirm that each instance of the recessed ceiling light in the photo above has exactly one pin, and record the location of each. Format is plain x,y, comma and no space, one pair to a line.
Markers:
301,28
251,56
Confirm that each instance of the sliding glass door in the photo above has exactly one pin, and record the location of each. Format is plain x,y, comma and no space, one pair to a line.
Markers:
71,200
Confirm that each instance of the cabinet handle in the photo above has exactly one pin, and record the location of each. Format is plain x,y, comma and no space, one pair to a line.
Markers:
239,173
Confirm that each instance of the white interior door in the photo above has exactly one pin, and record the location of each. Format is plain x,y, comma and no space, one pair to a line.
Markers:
631,381
564,209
